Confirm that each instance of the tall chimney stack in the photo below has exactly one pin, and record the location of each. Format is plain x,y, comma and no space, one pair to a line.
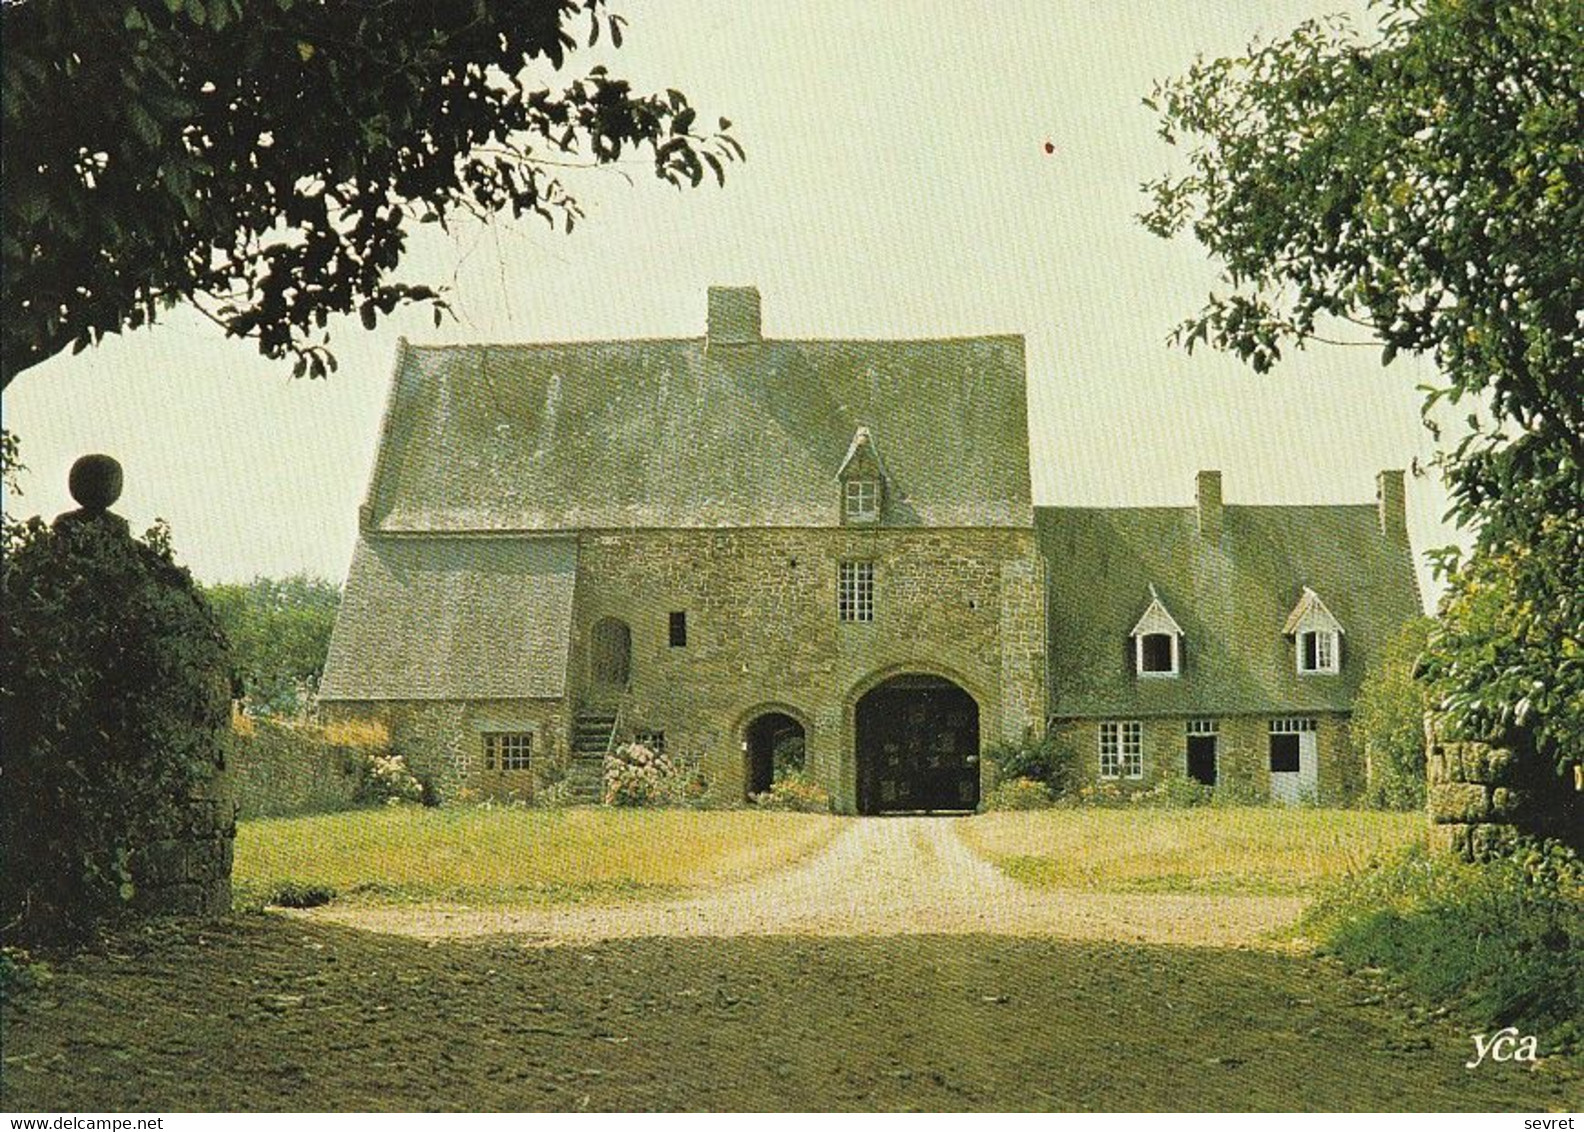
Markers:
733,316
1392,505
1207,497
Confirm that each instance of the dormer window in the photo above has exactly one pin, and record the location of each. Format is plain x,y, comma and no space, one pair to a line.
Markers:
1317,652
863,481
862,501
1316,634
1157,641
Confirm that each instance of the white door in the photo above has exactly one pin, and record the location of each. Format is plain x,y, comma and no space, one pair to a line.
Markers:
1293,760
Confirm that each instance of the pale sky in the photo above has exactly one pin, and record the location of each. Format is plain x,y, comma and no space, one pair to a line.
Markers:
896,186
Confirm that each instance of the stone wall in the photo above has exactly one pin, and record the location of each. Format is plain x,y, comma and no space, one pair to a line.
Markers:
186,868
763,633
1242,753
1483,796
279,770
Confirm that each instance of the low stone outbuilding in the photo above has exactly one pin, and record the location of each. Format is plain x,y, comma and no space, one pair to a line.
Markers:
1224,643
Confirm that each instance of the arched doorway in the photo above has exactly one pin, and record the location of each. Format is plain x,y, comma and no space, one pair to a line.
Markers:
610,654
774,742
917,741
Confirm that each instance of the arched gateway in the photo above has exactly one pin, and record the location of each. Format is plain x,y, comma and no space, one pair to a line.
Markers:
917,742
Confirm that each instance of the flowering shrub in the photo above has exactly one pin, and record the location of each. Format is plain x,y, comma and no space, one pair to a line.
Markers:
794,791
1019,794
638,776
387,779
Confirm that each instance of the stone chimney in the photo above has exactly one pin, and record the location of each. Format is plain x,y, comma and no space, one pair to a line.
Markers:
1392,505
733,316
1207,497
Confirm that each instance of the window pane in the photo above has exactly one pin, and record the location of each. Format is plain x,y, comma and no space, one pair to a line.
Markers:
855,591
1284,754
678,630
508,750
1157,652
862,499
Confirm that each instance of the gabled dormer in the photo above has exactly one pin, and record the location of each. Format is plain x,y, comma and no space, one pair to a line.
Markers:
1157,640
1316,634
863,482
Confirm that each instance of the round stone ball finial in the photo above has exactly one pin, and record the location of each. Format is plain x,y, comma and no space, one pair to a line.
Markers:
95,482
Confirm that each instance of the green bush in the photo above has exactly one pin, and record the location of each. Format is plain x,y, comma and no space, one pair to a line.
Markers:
1388,721
292,894
1019,794
1499,941
1048,761
20,972
114,699
794,791
1237,792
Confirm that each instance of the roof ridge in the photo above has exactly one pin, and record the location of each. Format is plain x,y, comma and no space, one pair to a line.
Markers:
703,341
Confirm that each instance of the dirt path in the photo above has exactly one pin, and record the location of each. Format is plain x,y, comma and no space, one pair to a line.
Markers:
879,877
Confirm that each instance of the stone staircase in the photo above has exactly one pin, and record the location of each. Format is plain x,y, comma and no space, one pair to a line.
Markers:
592,731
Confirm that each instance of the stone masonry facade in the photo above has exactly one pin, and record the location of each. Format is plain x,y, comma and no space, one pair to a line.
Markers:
1241,754
763,634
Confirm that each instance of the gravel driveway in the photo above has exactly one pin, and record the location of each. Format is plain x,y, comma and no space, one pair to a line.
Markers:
879,877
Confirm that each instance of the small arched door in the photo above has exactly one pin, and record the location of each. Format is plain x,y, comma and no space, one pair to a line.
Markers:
773,742
610,652
917,739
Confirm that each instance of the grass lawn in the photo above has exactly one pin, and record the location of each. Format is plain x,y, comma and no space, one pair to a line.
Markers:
517,856
1255,850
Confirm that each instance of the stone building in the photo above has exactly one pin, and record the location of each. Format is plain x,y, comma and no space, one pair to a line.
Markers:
747,551
1222,642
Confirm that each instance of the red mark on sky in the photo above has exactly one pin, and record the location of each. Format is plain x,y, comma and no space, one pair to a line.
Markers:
1050,147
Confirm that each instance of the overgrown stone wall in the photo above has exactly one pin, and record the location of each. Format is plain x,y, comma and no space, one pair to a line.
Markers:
279,770
1483,796
185,869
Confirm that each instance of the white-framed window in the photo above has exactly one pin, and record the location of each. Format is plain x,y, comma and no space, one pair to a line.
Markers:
861,500
507,750
1157,654
1318,651
1316,634
1286,743
1157,640
1122,749
855,591
654,740
1204,727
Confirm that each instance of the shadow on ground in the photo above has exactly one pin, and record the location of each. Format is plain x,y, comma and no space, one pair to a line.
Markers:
266,1013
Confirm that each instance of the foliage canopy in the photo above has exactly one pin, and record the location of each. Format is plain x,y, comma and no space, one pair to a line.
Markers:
266,160
1388,721
279,632
1424,185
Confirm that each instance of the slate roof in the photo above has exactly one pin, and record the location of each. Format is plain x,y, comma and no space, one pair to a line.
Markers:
680,433
1231,599
453,618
